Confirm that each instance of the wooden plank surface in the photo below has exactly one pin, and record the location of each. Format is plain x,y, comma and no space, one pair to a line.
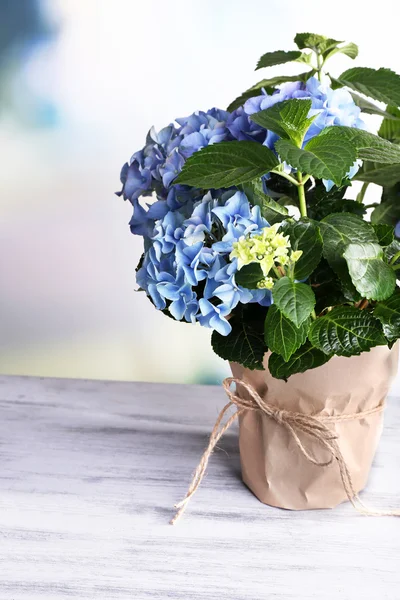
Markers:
89,474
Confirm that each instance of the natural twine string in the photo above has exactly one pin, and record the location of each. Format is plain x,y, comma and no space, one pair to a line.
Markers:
311,425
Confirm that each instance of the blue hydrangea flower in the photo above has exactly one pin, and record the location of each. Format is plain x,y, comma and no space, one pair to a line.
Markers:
241,127
237,219
214,316
182,270
154,169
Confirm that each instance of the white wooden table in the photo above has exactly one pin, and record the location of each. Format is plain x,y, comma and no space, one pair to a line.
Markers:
90,472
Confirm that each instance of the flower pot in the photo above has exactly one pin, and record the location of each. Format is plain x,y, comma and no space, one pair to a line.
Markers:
272,465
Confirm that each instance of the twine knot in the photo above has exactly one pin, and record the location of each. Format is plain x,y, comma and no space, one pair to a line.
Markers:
313,426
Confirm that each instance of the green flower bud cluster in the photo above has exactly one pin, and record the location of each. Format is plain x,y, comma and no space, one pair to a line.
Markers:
269,249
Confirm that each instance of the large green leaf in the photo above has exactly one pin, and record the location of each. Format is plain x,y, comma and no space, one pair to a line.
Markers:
316,42
271,210
338,230
390,129
384,233
227,164
387,175
369,146
388,312
305,358
268,85
370,274
388,211
295,300
368,107
382,84
278,57
328,156
305,236
346,331
249,276
350,50
287,119
281,335
245,343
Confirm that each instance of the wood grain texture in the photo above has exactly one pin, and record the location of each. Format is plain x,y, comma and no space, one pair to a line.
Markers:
91,470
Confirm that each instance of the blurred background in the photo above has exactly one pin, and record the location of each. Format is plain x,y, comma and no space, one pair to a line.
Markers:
81,82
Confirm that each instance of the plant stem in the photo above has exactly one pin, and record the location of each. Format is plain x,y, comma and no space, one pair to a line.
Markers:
277,272
313,315
395,257
364,303
320,64
302,194
361,194
286,176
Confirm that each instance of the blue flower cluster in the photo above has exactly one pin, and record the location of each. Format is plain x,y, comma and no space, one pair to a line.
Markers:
154,168
186,270
188,236
331,107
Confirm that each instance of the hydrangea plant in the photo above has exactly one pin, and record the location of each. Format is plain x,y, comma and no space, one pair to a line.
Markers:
251,228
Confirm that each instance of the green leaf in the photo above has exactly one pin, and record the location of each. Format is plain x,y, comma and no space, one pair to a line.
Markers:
388,312
390,129
287,119
295,300
369,146
271,210
327,287
387,175
392,251
245,343
350,50
278,57
370,274
268,85
314,41
305,236
368,107
327,156
249,276
305,358
338,230
388,211
227,164
346,331
322,203
384,233
306,58
382,84
281,335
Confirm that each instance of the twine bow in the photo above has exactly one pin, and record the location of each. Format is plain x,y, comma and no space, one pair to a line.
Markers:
313,426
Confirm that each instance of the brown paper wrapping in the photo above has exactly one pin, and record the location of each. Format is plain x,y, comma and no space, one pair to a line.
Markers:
272,465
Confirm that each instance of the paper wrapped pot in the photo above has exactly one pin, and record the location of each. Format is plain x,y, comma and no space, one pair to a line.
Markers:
272,465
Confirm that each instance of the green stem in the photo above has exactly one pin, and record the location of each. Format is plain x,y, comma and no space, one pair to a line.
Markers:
395,257
302,195
313,315
396,267
361,194
286,176
277,272
320,64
